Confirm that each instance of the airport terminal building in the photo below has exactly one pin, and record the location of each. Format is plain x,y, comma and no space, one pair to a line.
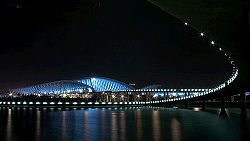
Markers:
81,86
91,85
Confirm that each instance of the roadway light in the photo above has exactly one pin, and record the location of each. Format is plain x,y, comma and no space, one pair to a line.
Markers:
186,23
202,34
212,42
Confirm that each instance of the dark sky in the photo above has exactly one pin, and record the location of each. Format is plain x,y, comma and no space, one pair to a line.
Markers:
131,41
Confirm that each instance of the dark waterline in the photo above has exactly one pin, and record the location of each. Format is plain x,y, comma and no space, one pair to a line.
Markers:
134,123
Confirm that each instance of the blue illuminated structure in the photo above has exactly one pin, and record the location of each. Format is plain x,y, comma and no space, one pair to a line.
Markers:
86,85
100,84
57,87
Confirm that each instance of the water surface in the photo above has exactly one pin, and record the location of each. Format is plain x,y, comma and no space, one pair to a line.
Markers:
138,123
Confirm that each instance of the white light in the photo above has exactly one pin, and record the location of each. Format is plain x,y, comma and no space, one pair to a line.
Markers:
90,90
174,94
202,34
212,42
186,23
197,109
220,49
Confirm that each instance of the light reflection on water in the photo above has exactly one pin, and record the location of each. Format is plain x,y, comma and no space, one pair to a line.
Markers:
175,130
139,125
123,125
63,126
114,128
156,128
38,125
120,124
9,126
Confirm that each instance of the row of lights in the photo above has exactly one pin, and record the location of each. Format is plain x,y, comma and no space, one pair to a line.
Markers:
217,88
221,86
201,34
89,108
67,103
166,90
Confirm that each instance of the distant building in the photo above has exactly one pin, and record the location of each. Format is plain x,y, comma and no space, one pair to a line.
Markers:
85,85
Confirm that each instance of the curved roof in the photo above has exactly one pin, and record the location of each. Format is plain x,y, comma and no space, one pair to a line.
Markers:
57,87
100,84
88,84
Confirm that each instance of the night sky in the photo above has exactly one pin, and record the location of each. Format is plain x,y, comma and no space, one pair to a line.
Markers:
131,41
